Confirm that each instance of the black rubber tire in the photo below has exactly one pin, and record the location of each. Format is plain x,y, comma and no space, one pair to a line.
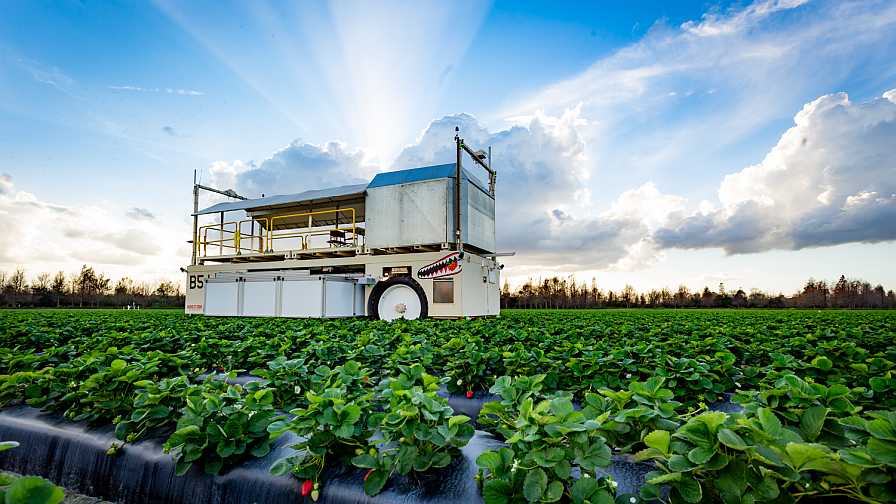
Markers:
380,287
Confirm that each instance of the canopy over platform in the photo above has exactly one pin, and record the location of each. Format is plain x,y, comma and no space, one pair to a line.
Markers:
341,194
313,197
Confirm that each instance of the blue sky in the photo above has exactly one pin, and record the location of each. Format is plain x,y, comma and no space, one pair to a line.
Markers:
637,124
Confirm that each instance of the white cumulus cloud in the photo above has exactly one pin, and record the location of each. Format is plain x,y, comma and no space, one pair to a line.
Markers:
297,167
51,237
830,179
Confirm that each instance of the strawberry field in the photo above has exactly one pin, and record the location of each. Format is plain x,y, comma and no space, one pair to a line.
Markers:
715,406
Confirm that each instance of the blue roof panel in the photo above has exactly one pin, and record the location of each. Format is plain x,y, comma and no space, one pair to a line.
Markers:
421,174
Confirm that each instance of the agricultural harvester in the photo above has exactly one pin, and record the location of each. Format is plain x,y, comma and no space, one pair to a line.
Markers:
411,243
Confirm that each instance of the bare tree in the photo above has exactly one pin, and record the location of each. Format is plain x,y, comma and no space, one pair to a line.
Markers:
17,283
41,284
58,287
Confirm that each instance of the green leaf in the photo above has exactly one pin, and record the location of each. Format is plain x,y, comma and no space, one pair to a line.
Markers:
375,482
883,451
535,484
679,463
8,445
367,461
658,439
701,455
118,365
458,420
769,421
265,396
732,482
730,439
767,488
878,428
823,363
562,406
812,421
604,497
345,431
801,454
583,489
282,466
181,467
712,419
689,490
441,459
261,450
213,465
554,492
665,478
33,490
497,492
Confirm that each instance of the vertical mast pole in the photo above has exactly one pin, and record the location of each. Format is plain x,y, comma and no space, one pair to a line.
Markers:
195,218
457,178
491,173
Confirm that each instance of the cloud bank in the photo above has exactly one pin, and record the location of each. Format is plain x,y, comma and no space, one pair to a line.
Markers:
830,179
53,237
295,168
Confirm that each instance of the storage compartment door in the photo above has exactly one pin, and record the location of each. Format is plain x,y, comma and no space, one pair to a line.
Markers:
222,298
302,298
340,299
260,298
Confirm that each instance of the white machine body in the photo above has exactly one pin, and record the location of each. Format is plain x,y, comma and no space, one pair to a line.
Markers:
411,243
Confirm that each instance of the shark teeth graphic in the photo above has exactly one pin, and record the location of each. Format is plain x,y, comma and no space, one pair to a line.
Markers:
449,265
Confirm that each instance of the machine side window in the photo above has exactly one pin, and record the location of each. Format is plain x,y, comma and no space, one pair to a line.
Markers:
443,291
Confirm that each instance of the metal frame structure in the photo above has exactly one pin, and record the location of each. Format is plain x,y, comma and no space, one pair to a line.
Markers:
390,238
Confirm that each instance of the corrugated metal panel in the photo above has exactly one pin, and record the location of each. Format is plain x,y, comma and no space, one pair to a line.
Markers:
413,213
287,199
421,174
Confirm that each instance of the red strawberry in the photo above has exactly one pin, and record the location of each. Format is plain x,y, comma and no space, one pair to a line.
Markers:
469,394
452,266
306,487
367,474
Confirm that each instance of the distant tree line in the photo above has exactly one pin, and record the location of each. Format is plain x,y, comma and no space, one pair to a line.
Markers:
86,289
557,292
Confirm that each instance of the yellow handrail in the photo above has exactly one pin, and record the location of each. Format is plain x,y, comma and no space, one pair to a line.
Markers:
236,239
305,234
231,235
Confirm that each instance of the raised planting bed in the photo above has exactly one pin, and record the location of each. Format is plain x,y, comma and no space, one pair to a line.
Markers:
74,456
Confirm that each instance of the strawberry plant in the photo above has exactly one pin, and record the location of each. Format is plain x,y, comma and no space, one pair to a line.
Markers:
335,426
551,443
155,408
500,416
287,377
109,392
755,457
811,409
222,424
631,414
418,429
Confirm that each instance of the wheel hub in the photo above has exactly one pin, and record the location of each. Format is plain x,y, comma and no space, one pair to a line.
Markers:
399,301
